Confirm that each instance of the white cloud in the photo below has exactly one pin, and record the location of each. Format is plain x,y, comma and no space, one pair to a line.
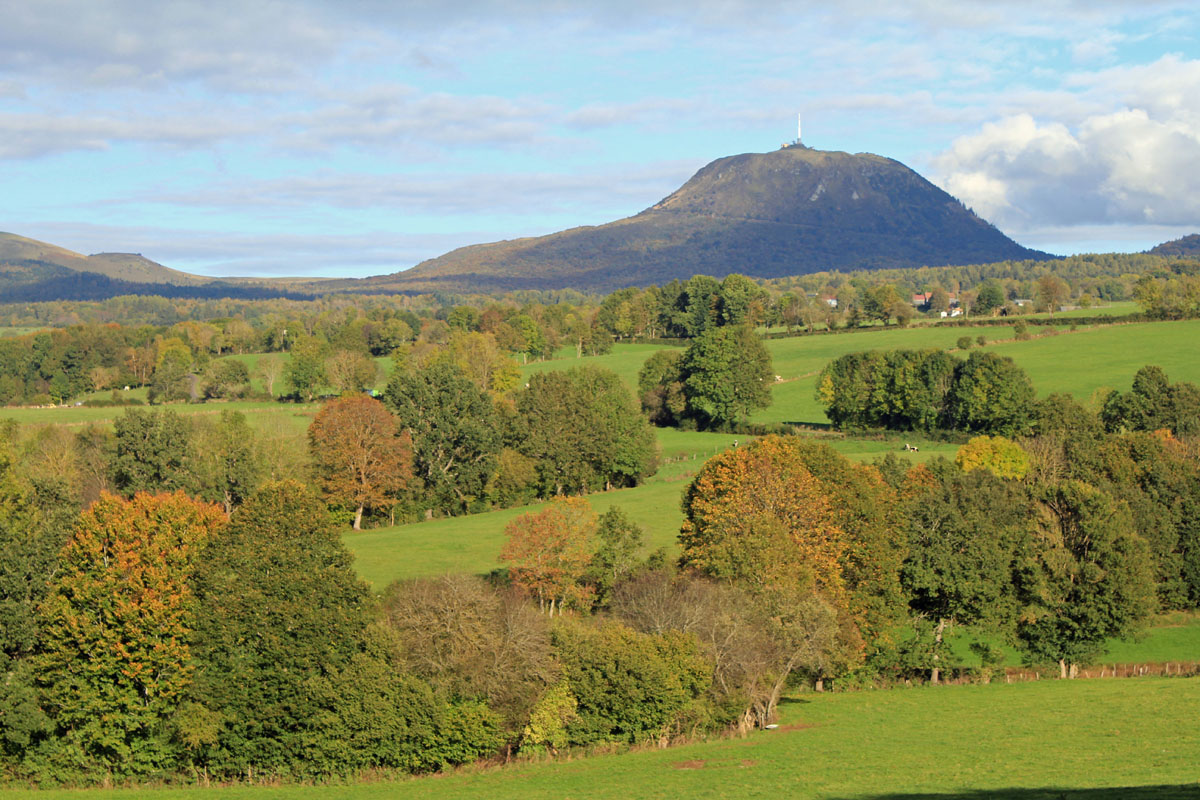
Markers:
32,135
616,189
1132,165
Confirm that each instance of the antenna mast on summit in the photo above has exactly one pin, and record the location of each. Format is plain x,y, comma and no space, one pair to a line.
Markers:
798,129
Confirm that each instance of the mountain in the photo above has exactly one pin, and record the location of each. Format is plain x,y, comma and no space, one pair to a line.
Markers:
1187,247
788,212
32,271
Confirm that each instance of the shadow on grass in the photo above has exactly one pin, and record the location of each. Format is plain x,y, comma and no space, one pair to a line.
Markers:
1185,792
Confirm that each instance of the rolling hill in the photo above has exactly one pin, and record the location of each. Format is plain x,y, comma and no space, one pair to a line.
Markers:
32,271
788,212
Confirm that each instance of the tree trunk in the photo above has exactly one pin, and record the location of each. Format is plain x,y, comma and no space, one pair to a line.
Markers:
358,519
935,673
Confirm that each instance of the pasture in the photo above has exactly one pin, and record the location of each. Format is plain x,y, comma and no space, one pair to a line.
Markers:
473,543
1114,739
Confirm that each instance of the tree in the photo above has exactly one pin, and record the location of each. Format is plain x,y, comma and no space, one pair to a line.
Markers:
584,431
172,374
991,395
358,456
227,461
896,389
481,360
1154,403
990,298
939,300
1050,292
549,552
660,387
268,370
29,550
631,686
290,666
305,370
756,517
728,375
153,452
1094,578
966,531
350,371
115,660
455,433
619,539
470,641
996,454
224,377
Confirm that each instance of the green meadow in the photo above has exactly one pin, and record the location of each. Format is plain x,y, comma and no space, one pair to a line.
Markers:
1124,739
473,543
1077,362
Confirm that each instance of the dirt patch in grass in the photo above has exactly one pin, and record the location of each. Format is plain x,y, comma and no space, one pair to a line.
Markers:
688,764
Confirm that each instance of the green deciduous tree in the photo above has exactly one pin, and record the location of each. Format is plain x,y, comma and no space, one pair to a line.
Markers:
227,460
991,395
455,433
1154,403
966,535
584,431
290,662
153,452
660,387
630,686
728,375
1094,577
305,370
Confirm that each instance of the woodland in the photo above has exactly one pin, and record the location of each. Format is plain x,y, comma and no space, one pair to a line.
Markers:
177,602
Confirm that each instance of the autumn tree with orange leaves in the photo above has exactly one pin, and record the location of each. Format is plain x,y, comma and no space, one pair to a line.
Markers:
358,456
117,621
758,518
549,552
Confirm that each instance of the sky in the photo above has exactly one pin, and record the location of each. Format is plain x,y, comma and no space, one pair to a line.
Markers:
360,137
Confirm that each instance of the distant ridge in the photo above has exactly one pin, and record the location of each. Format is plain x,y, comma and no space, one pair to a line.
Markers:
1186,247
33,271
131,267
788,212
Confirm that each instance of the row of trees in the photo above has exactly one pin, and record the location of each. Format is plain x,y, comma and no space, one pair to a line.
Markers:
927,390
930,390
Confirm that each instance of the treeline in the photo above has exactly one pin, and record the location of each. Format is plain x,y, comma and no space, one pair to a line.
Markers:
932,390
438,443
174,350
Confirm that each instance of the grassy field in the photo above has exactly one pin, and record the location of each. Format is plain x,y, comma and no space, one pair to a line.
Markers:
1078,362
472,543
625,360
1127,739
258,413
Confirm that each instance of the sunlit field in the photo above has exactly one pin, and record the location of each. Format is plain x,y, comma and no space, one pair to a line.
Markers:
1122,739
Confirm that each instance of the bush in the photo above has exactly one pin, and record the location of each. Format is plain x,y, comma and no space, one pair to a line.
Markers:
964,343
631,686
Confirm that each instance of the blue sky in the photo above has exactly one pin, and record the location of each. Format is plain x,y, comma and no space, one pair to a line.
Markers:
358,138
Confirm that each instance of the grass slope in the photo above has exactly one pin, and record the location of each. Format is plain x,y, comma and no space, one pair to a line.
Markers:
1128,739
